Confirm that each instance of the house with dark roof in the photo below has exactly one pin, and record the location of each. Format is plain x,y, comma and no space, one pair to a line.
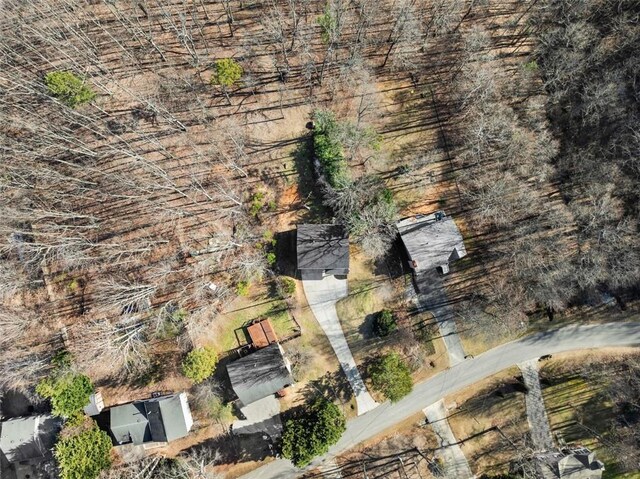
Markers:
431,241
568,463
26,447
152,422
260,374
322,250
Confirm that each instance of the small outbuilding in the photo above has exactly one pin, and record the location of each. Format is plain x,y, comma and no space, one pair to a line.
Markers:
432,241
262,334
568,463
260,374
26,447
322,250
152,422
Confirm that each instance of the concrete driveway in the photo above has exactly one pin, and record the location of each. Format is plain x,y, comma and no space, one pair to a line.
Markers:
454,460
432,298
458,377
322,296
262,416
539,427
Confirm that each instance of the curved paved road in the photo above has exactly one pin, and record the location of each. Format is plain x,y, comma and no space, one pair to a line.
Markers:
460,376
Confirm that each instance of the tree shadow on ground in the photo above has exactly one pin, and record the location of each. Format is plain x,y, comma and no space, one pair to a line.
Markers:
392,264
333,384
237,448
366,328
286,253
15,404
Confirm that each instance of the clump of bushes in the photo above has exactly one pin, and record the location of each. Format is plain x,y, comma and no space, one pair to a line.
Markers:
68,392
226,72
384,323
68,88
199,364
242,288
83,455
209,402
328,149
287,286
391,376
310,433
364,205
257,203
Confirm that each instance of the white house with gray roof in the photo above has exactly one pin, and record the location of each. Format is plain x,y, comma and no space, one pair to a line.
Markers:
432,241
26,447
152,422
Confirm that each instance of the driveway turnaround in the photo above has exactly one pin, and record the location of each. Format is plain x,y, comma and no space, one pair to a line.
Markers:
432,298
322,296
455,463
539,428
386,415
262,416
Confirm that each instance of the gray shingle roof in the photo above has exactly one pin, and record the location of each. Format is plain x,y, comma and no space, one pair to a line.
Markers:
322,247
26,445
578,463
160,419
129,423
25,438
431,243
259,374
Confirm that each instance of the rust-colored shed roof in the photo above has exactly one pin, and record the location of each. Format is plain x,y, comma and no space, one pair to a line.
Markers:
262,334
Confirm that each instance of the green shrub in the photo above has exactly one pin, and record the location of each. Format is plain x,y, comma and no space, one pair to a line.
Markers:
384,323
199,364
84,455
170,322
329,153
328,23
62,359
226,72
328,148
391,376
271,259
219,411
288,286
68,88
268,238
257,203
242,288
69,393
310,434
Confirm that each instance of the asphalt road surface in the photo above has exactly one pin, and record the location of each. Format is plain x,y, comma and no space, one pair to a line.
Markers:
460,376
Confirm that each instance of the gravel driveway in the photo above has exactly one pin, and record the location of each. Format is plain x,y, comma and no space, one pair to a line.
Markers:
322,296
